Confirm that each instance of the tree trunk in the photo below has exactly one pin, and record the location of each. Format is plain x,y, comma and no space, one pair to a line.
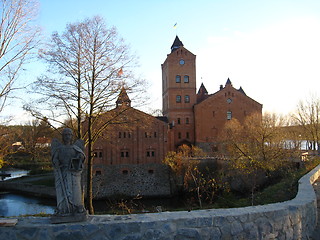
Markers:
89,171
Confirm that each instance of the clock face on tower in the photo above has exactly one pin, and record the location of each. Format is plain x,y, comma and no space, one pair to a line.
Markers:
181,62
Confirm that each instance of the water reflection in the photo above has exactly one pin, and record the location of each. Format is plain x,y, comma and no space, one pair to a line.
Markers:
14,205
13,173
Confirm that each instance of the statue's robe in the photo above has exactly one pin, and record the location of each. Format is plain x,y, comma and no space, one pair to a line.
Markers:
68,163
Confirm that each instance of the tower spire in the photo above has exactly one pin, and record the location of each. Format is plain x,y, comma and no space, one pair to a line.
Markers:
176,44
123,98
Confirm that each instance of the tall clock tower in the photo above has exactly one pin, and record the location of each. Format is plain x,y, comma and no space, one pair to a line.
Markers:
179,93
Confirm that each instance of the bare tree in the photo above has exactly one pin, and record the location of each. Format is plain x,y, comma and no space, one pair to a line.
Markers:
307,116
89,65
18,38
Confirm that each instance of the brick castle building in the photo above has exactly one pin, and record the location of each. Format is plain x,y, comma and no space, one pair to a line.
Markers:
136,145
198,117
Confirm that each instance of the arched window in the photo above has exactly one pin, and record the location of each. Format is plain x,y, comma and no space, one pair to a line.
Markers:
229,115
178,99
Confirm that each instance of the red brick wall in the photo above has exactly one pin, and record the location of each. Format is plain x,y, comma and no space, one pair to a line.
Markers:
211,114
141,138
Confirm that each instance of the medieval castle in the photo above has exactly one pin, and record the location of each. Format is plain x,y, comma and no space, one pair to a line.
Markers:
129,159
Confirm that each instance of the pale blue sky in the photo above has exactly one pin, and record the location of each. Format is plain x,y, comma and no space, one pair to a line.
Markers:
270,48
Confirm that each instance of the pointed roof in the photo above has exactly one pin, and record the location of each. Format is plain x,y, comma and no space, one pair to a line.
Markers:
202,89
241,90
228,82
123,98
176,44
202,93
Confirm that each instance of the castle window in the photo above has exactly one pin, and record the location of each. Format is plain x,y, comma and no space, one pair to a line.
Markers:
100,154
179,135
124,135
179,121
178,79
146,134
98,173
178,99
119,134
150,153
150,171
187,135
124,154
155,134
186,79
229,115
125,171
186,98
187,120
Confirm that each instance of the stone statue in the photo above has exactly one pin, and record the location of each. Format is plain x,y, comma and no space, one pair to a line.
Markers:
68,160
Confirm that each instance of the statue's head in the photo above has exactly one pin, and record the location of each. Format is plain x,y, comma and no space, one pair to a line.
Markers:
67,135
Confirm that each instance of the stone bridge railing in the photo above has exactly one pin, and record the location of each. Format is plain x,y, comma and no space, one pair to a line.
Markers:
294,219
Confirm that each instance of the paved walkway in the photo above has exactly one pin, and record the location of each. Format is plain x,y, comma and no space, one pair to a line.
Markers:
316,233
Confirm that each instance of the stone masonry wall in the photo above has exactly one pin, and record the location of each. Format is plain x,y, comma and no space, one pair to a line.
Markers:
131,180
294,219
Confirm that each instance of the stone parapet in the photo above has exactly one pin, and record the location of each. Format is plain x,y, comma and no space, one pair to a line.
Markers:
294,219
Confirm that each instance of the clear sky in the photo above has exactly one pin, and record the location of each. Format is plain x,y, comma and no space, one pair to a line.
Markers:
270,48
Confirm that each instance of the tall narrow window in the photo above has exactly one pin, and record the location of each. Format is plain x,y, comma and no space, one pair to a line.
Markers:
187,120
179,121
186,98
229,115
179,135
178,99
187,135
186,79
178,79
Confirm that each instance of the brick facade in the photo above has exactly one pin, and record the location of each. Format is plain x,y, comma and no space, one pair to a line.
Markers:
201,118
189,117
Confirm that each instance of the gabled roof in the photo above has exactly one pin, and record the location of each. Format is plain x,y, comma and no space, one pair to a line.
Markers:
176,44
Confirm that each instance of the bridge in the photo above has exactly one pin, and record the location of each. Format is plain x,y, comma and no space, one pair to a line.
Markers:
293,219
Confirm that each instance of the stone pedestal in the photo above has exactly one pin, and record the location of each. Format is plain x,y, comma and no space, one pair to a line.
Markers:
69,218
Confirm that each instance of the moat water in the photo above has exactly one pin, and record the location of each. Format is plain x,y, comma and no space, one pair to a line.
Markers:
12,204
